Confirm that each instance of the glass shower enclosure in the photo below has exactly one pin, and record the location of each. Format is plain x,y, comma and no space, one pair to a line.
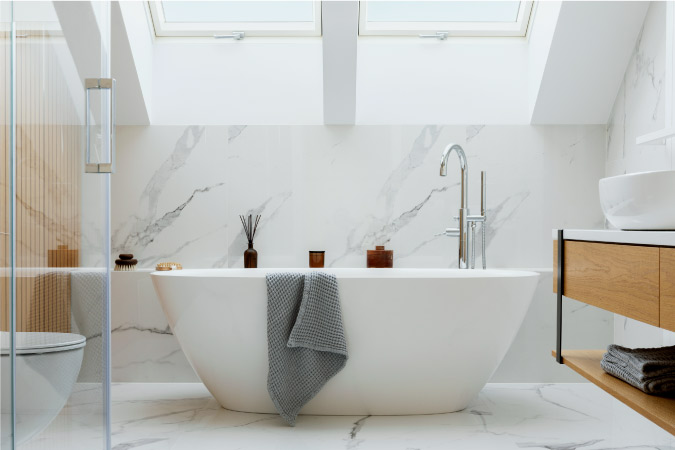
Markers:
56,147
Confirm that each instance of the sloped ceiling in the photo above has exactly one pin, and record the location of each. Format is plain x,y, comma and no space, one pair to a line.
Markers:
591,46
571,78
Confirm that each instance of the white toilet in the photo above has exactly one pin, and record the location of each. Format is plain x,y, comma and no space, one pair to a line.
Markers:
47,366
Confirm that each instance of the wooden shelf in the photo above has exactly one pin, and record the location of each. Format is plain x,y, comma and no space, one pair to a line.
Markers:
586,363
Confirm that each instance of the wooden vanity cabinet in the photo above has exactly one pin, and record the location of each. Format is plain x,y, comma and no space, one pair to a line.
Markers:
636,281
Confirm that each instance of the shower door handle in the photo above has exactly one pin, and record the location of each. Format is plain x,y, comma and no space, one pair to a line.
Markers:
109,130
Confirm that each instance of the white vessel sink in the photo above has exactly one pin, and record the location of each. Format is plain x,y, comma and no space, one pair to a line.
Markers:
640,201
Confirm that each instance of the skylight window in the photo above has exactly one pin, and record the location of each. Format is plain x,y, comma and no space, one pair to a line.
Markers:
445,18
236,18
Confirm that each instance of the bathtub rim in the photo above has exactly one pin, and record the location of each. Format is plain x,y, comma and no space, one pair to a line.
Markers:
353,273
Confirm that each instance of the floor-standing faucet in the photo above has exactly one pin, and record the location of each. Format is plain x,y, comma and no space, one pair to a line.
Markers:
465,219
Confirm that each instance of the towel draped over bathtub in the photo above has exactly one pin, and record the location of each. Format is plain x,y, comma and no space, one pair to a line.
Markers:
306,342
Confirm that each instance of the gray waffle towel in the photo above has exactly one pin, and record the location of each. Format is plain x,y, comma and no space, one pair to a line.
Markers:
306,342
652,370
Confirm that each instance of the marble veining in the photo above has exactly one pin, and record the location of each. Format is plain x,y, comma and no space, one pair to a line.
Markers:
414,159
343,189
644,68
269,209
472,131
502,214
234,131
147,235
384,232
378,228
121,329
152,416
143,224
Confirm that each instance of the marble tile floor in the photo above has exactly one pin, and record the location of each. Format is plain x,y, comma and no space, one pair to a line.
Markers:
178,416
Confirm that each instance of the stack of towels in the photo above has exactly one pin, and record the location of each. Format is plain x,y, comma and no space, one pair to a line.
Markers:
652,370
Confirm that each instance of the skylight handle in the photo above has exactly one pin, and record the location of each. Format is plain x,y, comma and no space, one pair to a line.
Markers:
236,35
440,35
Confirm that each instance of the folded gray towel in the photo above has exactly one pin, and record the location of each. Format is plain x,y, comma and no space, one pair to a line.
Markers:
652,370
645,360
640,377
305,336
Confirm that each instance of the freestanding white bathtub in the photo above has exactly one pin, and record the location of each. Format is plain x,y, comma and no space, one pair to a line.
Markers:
420,341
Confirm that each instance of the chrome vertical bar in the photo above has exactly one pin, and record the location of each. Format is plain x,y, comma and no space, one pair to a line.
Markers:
483,193
463,239
12,229
464,202
473,245
483,212
106,332
561,259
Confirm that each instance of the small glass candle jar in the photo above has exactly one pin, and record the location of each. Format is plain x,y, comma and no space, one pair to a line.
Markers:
316,258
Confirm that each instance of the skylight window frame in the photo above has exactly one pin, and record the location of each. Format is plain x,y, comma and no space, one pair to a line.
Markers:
250,29
518,28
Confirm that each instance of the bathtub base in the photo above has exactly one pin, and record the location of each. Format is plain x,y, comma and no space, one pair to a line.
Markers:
337,399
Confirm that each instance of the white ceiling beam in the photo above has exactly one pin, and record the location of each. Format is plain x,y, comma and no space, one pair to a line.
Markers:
131,62
82,31
589,52
80,27
340,26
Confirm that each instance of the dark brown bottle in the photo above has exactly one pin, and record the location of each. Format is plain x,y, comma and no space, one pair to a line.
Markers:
250,257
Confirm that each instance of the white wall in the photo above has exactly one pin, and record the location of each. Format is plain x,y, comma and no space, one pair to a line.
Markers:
405,80
639,108
257,81
411,81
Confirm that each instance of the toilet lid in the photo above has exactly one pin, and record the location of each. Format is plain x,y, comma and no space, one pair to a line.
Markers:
41,342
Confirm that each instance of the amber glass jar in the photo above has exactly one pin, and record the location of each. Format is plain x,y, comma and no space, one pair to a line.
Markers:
316,258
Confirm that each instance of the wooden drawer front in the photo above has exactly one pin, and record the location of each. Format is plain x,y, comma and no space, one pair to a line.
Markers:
623,279
667,318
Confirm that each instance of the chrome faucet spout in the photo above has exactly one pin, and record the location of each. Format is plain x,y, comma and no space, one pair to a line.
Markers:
464,167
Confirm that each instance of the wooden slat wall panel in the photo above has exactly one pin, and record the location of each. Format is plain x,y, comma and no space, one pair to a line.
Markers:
623,279
49,144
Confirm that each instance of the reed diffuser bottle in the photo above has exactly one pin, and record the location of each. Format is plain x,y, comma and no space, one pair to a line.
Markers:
250,255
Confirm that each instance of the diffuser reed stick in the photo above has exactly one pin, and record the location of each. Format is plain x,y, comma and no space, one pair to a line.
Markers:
250,227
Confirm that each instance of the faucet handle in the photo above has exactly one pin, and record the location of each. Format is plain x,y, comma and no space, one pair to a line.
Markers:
451,232
483,193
